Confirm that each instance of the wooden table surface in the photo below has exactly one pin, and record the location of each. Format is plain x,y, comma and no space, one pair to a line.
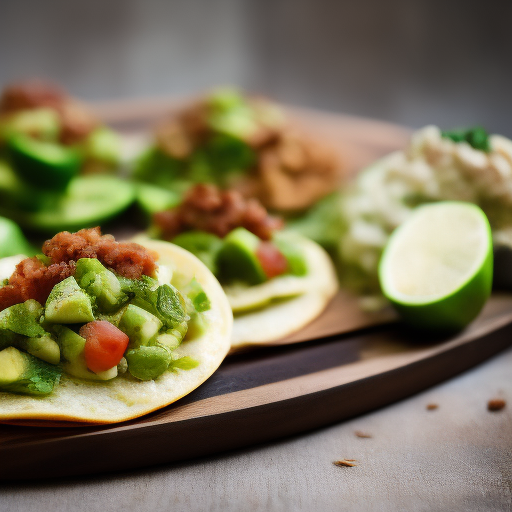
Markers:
458,457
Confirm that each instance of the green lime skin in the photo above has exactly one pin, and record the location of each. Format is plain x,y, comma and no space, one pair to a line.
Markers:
452,312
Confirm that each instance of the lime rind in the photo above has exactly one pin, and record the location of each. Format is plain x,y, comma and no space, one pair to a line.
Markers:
457,306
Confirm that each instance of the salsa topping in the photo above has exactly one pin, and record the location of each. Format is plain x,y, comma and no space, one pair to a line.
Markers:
234,237
34,279
76,120
93,308
207,208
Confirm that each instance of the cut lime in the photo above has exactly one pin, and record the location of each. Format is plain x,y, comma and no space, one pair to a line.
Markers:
437,267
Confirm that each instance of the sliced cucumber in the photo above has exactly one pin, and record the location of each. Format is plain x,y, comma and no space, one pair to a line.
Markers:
152,199
43,164
23,373
88,201
12,240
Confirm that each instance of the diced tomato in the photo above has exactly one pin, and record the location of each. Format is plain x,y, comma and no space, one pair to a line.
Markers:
105,345
271,259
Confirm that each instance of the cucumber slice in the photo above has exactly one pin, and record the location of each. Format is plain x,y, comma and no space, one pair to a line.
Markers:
12,240
237,258
43,164
88,201
68,304
23,373
152,199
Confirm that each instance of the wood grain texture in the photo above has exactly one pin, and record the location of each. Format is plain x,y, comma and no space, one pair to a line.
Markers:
257,398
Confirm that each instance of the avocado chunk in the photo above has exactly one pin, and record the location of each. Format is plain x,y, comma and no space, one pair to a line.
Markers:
148,363
197,326
295,258
43,347
68,304
42,123
20,320
43,164
101,283
139,325
201,244
103,145
237,258
72,348
23,373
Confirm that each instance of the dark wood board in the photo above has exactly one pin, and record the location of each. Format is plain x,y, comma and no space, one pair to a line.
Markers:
278,391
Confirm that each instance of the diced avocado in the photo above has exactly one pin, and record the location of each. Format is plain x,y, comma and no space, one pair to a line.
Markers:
201,244
197,326
68,304
164,301
20,319
43,164
168,340
71,344
173,337
42,347
296,261
101,283
197,296
148,363
23,373
103,145
44,123
237,258
72,348
139,325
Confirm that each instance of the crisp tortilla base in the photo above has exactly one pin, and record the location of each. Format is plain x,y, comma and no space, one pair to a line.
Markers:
280,319
125,397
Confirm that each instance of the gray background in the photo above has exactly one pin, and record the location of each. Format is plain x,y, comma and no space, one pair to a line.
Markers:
409,61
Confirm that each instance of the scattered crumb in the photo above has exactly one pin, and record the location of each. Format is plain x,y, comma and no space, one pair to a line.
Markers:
358,433
496,404
348,463
432,407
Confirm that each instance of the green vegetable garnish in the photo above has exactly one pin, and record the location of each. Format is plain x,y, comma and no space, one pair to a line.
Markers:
183,363
476,137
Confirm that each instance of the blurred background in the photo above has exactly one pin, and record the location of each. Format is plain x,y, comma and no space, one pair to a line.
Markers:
407,61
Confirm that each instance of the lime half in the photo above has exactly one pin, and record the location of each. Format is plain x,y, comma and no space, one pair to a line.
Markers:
437,267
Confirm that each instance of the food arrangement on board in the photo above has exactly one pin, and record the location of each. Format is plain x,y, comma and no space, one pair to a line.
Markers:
250,232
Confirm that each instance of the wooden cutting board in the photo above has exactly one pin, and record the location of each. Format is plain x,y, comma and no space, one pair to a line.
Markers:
348,362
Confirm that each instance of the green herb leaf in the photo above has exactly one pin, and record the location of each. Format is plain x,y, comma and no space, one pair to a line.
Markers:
476,137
